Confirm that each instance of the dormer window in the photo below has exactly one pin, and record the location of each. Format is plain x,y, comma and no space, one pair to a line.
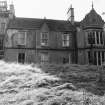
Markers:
65,40
44,39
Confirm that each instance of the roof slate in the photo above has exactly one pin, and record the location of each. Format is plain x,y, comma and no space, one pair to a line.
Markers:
34,23
92,19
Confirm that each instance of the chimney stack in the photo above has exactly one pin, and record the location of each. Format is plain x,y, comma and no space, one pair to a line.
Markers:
70,14
12,10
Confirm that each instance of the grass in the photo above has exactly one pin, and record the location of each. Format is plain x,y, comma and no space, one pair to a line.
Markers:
47,84
82,76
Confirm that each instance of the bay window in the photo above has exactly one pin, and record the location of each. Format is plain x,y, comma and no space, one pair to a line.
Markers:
91,38
95,37
98,57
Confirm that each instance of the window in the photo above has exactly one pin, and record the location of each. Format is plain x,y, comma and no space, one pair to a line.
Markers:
65,60
95,58
65,40
21,38
101,37
89,57
21,58
1,44
44,58
99,58
3,27
44,39
97,37
91,38
103,57
3,6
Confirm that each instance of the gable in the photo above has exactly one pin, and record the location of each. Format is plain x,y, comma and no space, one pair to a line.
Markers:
44,28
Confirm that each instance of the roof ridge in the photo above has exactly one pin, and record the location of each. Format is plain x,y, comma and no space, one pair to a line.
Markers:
26,18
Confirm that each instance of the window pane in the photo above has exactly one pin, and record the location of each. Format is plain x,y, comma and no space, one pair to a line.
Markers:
44,38
65,60
64,37
97,36
103,57
101,38
65,40
21,38
44,58
1,44
89,57
99,58
2,27
91,38
95,58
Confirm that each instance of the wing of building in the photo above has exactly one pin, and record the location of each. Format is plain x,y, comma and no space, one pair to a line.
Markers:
32,40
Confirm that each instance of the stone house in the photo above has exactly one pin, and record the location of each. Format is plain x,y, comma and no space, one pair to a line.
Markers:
32,40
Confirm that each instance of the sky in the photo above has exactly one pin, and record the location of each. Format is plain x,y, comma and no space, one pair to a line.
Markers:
56,9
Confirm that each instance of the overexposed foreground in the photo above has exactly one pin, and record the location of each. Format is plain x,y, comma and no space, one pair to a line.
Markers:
29,85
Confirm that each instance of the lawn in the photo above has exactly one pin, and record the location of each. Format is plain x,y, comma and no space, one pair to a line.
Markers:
49,84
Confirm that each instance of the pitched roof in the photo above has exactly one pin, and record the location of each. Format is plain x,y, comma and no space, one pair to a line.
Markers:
34,23
92,19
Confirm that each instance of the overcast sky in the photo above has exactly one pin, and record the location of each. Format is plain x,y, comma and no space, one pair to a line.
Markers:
56,9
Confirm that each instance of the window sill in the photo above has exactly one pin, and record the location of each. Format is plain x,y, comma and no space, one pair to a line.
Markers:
65,46
96,44
44,46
